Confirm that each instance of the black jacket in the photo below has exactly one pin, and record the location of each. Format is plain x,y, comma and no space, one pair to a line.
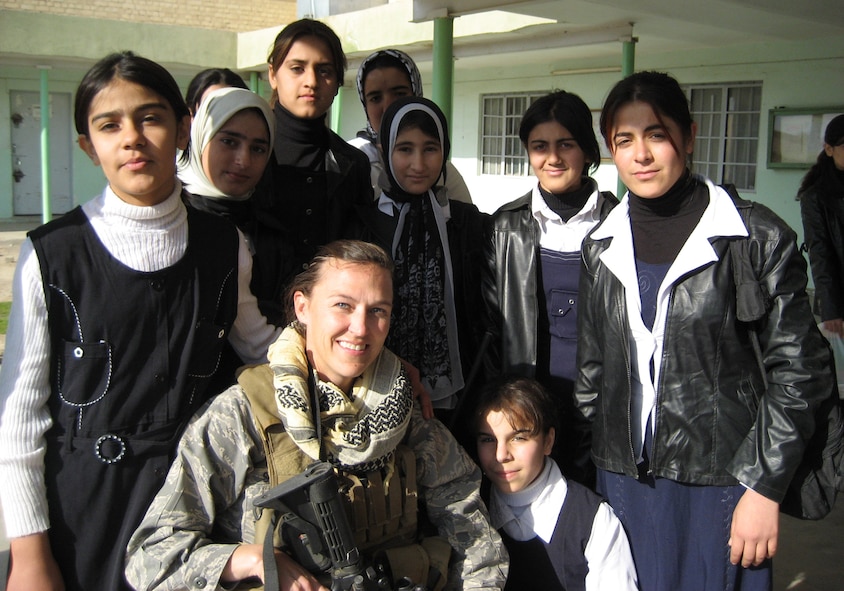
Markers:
512,290
822,210
295,212
715,423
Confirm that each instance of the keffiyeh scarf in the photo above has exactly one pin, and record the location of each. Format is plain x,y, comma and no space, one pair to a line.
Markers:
361,429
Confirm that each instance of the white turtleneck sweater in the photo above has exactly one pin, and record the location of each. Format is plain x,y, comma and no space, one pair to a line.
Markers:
142,238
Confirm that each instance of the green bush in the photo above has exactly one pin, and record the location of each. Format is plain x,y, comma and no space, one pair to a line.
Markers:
4,316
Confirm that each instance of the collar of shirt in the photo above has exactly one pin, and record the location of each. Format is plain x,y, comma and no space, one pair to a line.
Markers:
560,236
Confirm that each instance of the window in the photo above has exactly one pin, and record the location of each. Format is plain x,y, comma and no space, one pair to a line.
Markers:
502,152
727,143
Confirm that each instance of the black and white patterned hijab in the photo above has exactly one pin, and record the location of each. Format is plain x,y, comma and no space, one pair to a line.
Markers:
386,58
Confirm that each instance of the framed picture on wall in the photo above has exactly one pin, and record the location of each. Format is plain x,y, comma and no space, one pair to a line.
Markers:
606,156
795,136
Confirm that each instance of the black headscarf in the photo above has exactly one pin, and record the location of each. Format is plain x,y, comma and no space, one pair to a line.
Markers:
423,330
390,124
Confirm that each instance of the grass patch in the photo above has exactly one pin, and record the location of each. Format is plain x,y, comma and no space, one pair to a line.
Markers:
4,316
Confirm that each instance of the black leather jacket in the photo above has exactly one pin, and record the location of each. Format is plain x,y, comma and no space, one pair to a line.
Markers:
822,210
715,422
511,285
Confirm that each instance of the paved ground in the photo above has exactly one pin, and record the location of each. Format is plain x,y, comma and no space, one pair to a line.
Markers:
811,556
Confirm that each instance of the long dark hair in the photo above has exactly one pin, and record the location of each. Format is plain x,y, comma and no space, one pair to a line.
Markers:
127,66
819,169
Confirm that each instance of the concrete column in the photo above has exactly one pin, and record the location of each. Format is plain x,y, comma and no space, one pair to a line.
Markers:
337,111
628,61
443,83
46,201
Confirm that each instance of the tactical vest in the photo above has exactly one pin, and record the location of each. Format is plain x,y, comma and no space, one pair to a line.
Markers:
381,505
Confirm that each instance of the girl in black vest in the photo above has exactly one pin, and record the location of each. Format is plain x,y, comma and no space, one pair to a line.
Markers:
121,308
559,534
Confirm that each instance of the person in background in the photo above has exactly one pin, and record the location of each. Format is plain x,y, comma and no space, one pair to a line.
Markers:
120,311
821,196
383,77
314,179
207,81
559,534
694,446
533,263
200,531
437,245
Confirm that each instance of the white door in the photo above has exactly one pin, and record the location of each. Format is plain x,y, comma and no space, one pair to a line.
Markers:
26,152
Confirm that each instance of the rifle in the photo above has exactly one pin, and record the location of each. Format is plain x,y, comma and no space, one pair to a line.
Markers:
314,526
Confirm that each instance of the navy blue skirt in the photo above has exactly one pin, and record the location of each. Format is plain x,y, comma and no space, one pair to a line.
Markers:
679,532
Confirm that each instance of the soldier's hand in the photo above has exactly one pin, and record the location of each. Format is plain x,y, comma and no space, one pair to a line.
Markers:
248,561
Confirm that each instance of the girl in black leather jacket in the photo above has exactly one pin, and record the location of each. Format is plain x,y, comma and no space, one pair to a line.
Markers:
693,452
533,262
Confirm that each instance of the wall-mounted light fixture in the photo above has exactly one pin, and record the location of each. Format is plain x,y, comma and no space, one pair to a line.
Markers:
605,70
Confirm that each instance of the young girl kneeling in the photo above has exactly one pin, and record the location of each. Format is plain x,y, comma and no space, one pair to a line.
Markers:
560,535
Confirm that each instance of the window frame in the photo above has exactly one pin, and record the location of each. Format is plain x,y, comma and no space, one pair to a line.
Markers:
723,137
503,158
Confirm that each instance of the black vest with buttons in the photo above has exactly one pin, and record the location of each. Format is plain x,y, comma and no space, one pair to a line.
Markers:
559,565
131,355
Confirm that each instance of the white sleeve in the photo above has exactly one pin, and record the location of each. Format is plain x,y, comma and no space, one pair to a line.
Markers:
608,555
24,394
251,334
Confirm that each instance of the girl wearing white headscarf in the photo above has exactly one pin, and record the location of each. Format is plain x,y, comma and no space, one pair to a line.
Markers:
228,153
437,246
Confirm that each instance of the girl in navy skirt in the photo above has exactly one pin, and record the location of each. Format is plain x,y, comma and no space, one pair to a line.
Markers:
695,446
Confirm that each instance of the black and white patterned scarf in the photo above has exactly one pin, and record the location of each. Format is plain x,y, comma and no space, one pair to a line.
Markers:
424,328
361,429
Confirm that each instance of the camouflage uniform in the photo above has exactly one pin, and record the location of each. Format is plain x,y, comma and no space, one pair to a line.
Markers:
204,509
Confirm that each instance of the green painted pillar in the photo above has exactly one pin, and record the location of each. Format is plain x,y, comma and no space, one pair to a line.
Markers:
254,82
337,111
46,202
443,83
628,60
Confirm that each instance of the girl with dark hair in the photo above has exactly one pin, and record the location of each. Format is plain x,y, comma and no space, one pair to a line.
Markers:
559,534
314,178
694,445
384,76
533,261
210,80
436,243
121,309
821,196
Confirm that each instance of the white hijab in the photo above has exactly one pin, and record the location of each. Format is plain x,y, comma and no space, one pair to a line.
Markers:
214,111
